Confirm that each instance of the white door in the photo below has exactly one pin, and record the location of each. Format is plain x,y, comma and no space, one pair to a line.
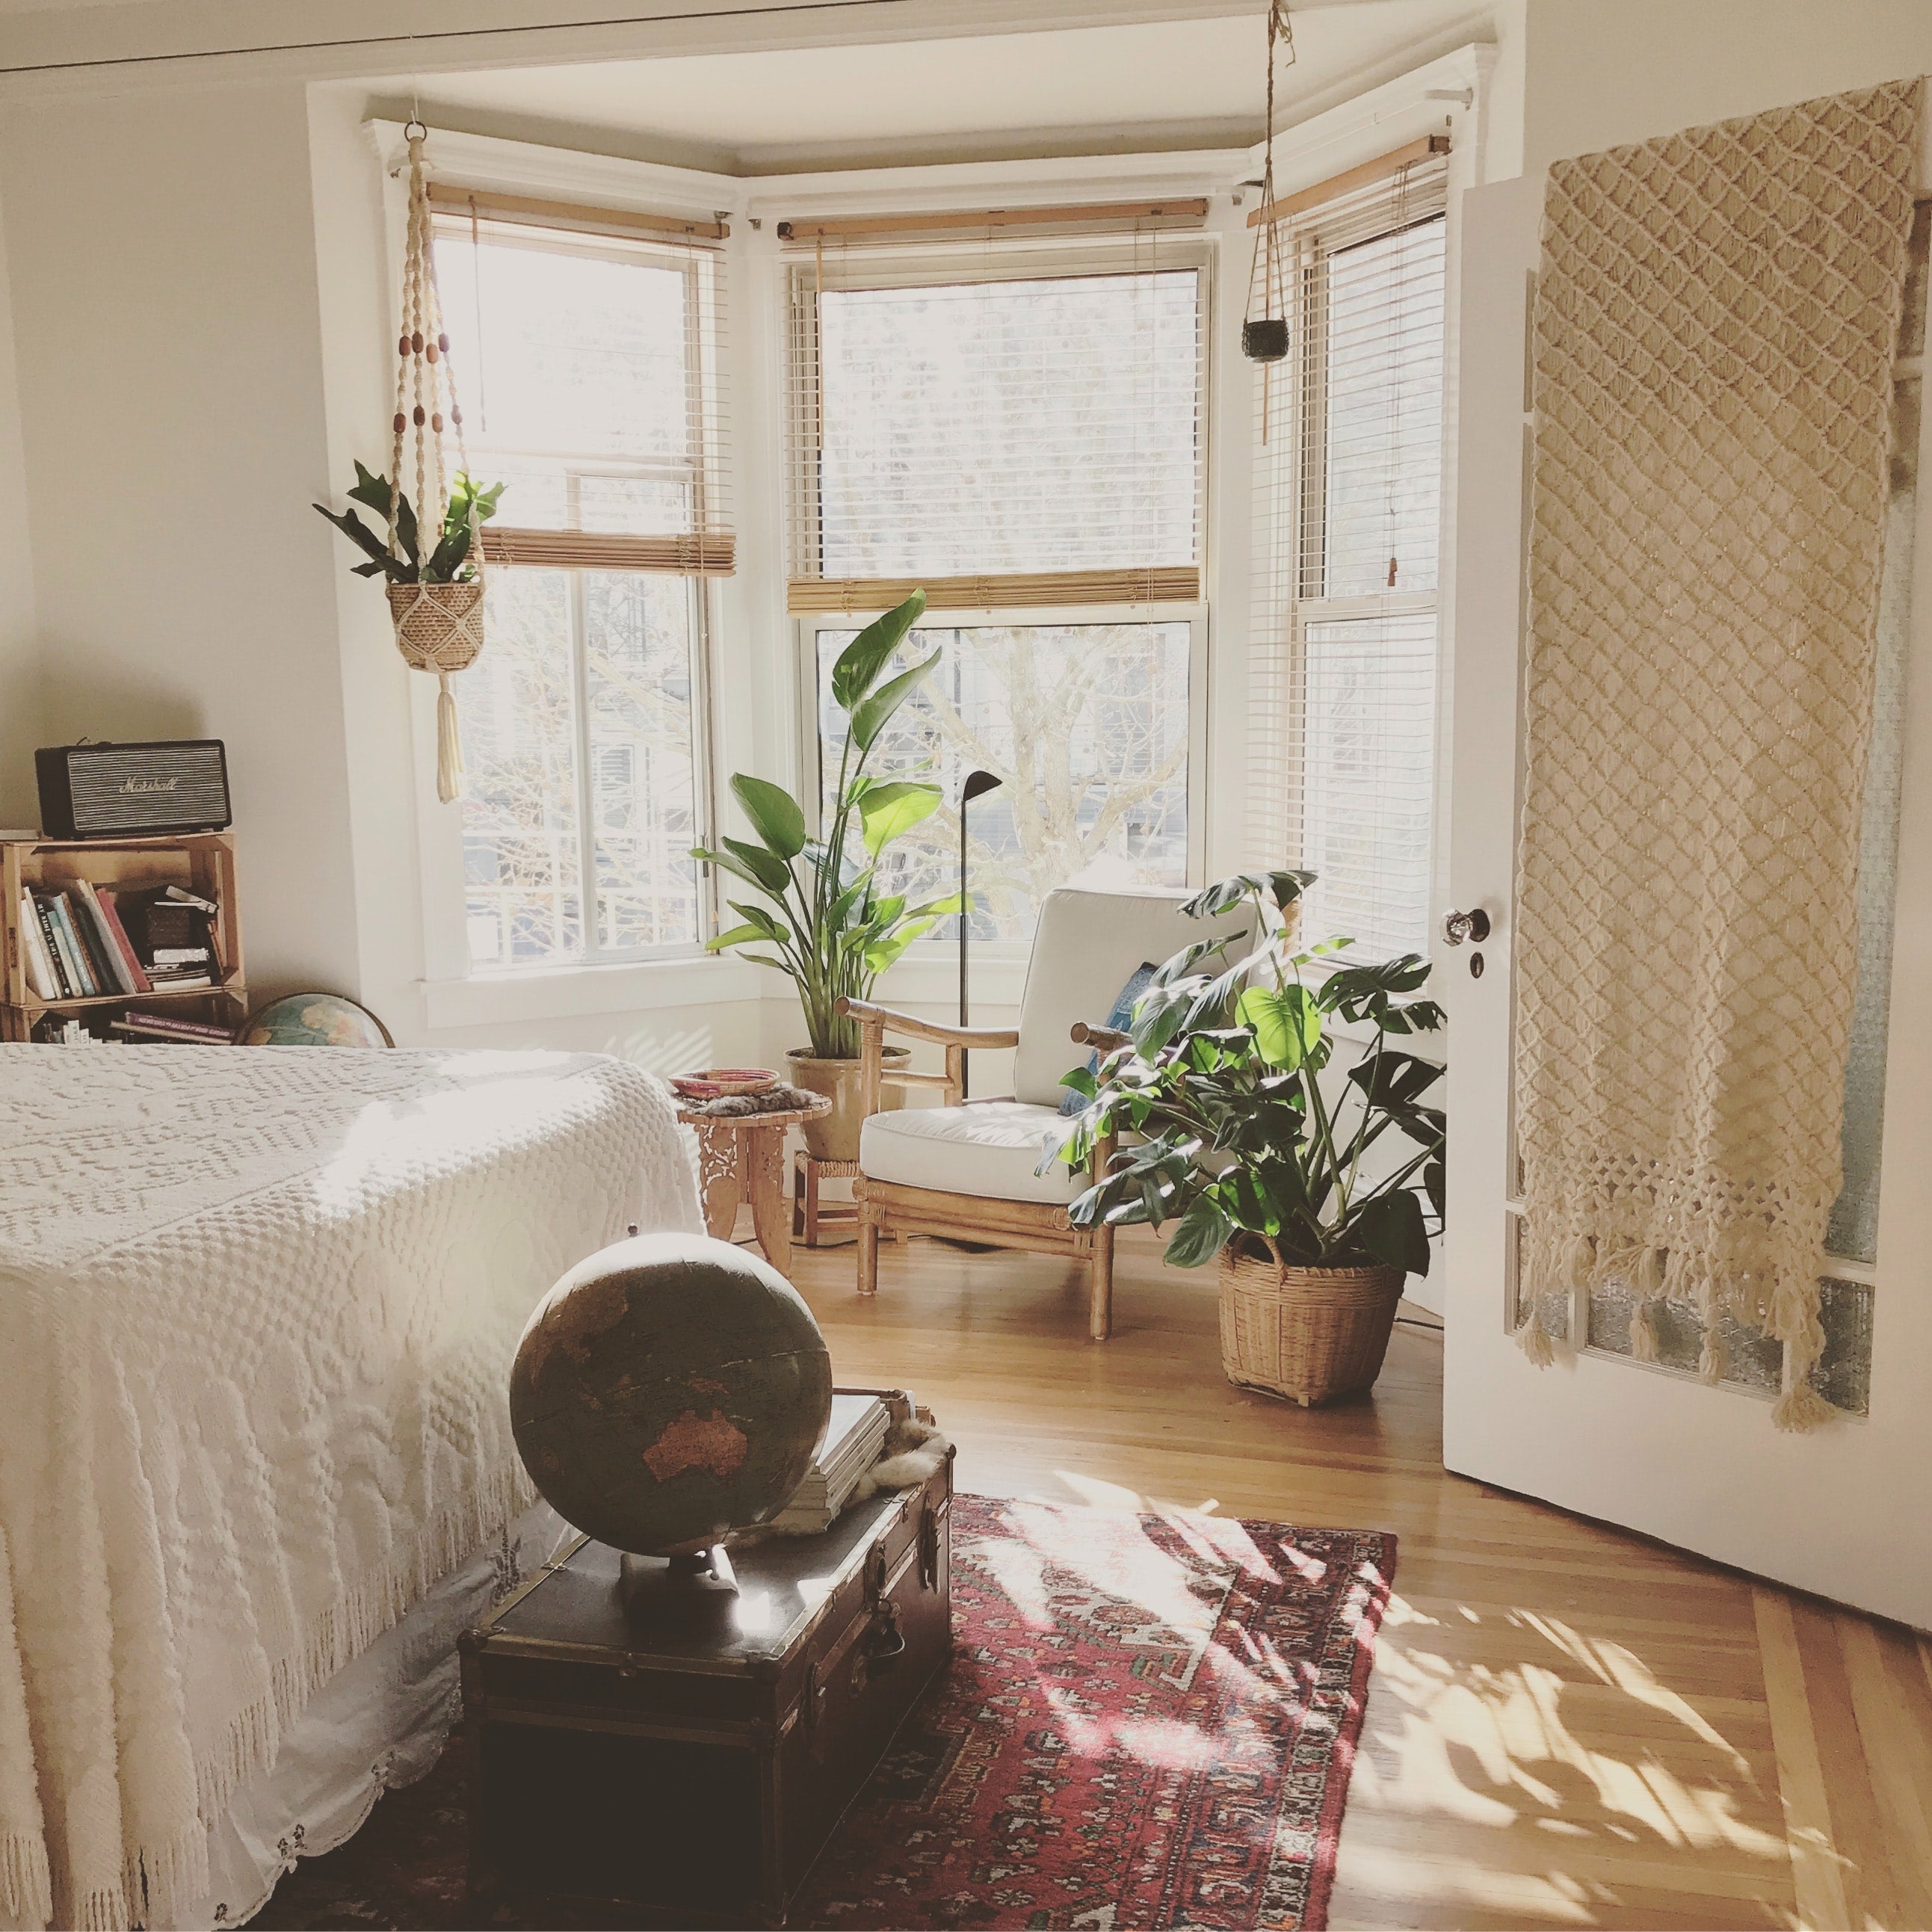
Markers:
1846,1511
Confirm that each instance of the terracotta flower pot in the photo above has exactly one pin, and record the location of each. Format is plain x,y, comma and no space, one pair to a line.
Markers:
835,1136
1309,1334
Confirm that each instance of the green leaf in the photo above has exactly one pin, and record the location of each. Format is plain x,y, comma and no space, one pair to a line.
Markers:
1435,1185
770,871
1390,1227
886,811
366,540
725,863
1198,1236
1282,888
775,932
870,716
1287,1024
940,908
774,813
373,490
887,952
738,936
860,662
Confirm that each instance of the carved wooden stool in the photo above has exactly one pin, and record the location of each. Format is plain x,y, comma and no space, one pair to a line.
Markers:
741,1156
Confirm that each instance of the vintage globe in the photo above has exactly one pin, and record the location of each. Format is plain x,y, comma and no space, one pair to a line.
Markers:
669,1391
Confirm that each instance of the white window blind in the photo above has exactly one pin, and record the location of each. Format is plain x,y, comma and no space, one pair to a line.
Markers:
592,379
1006,423
1349,496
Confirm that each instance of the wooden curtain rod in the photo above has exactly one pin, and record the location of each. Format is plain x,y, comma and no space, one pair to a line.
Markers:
857,226
568,214
1336,186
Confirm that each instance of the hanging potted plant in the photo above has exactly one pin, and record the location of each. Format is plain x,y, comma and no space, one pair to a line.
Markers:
435,594
1235,1136
825,923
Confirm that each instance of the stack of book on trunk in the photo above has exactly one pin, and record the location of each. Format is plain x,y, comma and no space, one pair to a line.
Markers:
853,1437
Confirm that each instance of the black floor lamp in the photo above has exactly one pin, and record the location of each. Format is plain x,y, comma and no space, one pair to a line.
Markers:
977,783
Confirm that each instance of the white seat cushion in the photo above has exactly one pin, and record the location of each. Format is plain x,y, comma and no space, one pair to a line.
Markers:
989,1150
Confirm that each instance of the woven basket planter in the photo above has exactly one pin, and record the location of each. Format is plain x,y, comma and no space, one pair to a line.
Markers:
439,626
1309,1334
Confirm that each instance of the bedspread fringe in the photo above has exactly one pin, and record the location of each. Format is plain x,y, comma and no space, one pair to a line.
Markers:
161,1881
26,1888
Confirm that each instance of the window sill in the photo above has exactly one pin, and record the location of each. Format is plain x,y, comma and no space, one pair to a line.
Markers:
566,991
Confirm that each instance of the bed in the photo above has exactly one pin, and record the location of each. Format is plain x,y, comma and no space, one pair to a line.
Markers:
257,1308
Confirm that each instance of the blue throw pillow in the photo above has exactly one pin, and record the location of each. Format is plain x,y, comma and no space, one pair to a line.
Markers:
1120,1018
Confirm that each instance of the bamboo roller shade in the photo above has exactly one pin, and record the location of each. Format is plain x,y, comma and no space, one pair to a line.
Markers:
1336,186
699,553
885,227
1043,589
572,216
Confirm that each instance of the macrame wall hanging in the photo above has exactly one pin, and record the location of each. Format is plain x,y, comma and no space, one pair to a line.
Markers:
1717,317
431,551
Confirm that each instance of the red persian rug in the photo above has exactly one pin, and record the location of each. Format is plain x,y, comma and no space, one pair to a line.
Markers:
1150,1722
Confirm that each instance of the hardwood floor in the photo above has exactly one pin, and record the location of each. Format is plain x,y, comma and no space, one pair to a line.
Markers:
1567,1725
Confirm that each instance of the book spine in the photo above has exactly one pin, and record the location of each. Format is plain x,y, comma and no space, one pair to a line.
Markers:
111,913
75,921
40,977
50,942
106,961
183,1029
55,911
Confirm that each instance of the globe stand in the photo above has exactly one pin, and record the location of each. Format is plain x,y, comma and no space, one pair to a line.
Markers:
661,1589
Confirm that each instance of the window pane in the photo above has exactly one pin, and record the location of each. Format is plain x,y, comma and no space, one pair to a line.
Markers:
517,706
1378,527
567,348
1369,761
643,785
1086,726
1009,426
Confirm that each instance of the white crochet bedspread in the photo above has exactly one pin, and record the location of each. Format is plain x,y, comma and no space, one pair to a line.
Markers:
257,1309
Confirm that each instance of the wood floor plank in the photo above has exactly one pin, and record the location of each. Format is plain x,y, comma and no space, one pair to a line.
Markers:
1567,1725
1815,1874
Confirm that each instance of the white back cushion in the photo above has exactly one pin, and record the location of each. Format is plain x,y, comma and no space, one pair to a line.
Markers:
1087,947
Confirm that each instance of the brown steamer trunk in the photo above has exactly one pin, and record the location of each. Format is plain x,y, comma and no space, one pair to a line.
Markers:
694,1775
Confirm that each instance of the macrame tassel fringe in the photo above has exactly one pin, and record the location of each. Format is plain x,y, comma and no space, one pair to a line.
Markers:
1800,1409
449,743
1533,1339
1711,1356
1643,1334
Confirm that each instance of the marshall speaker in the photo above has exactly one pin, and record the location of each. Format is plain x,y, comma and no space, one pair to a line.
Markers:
121,791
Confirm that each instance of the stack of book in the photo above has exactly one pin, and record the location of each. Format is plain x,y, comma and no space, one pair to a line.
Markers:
91,942
853,1437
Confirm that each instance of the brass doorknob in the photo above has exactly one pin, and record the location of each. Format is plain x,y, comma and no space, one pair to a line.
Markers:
1473,926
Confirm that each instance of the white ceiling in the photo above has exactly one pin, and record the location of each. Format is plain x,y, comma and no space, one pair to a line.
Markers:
1165,85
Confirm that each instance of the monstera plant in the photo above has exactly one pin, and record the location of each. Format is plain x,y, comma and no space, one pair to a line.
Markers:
820,915
1318,1190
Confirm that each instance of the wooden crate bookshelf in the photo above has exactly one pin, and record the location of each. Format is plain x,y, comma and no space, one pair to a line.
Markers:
202,862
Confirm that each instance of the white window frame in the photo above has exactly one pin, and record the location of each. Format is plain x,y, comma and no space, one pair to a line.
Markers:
1031,261
610,979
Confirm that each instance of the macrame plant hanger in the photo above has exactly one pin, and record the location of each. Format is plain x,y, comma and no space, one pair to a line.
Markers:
439,626
1264,337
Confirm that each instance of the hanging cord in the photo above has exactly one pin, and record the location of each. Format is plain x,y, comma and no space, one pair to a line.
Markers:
1265,267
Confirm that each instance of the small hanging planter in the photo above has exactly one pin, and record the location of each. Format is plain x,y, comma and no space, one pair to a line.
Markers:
435,571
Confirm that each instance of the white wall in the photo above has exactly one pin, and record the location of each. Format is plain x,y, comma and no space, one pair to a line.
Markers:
1597,76
20,705
165,308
